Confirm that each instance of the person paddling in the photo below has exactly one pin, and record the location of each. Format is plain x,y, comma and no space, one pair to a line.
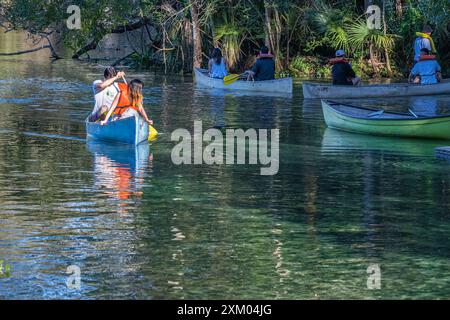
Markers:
105,91
427,70
264,68
342,70
423,40
217,66
129,102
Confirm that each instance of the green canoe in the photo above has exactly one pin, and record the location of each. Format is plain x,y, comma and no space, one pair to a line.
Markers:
387,123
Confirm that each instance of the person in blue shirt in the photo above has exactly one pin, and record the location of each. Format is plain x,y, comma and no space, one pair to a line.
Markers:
217,66
423,40
427,70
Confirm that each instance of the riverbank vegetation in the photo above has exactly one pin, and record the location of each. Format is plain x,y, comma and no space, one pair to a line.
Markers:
302,34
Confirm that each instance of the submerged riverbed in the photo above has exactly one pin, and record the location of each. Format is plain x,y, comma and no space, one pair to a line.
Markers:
138,226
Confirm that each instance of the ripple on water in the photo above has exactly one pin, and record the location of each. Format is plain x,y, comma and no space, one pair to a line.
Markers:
140,227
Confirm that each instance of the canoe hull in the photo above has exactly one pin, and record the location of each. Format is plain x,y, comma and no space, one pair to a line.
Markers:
284,85
429,128
328,91
132,130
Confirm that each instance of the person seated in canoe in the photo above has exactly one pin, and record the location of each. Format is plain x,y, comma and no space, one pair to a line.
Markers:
129,103
264,68
217,66
427,70
105,91
423,40
342,71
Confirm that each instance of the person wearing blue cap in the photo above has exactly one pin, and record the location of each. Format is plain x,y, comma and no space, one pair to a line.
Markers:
427,70
342,70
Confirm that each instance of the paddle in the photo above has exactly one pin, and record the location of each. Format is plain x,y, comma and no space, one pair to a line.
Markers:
231,78
412,112
152,132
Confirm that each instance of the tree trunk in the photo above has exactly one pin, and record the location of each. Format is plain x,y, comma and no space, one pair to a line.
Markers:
386,51
196,34
268,26
367,3
399,8
187,46
24,51
388,63
55,55
372,59
164,48
278,28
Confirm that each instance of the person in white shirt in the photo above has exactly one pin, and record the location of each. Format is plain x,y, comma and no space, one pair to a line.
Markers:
105,92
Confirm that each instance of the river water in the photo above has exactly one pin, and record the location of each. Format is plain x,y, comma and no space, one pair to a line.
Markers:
139,227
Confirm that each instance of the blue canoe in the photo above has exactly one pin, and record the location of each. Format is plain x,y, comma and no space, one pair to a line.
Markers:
132,130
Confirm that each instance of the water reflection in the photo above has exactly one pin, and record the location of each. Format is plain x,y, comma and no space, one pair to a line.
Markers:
217,102
336,141
339,202
119,171
425,105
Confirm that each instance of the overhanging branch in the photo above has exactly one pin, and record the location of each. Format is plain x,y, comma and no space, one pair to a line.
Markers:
92,45
25,51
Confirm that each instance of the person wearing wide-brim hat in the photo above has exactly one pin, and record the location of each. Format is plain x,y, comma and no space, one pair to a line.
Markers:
423,40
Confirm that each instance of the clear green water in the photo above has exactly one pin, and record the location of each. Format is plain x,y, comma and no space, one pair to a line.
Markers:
140,227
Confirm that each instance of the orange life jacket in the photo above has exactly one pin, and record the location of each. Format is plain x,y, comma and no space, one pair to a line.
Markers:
425,57
124,100
333,61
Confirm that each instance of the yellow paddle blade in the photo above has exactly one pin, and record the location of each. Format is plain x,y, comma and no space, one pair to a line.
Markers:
152,133
230,79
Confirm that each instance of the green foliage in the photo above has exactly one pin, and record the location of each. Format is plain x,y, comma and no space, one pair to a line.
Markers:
230,36
307,67
304,33
359,36
330,23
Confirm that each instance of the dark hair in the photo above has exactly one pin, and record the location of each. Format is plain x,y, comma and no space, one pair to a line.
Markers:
427,29
264,50
217,55
109,72
135,92
425,50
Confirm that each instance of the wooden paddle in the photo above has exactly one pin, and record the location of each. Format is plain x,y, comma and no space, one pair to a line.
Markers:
152,132
231,78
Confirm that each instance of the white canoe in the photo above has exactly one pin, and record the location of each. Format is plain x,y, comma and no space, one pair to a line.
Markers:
328,91
283,85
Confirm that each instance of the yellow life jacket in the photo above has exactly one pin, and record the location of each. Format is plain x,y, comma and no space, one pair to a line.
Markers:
427,36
